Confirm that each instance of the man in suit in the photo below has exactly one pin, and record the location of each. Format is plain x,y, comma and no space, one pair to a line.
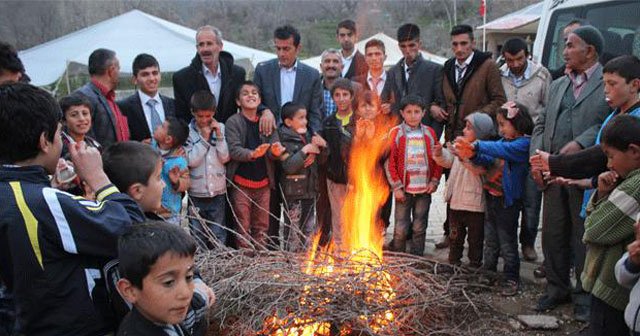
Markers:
575,110
146,109
108,124
353,62
211,69
376,77
414,75
282,80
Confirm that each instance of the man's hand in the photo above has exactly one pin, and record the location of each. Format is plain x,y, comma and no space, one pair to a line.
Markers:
438,113
277,149
607,181
570,147
399,196
537,177
267,122
310,149
634,247
432,186
540,161
386,108
309,160
260,151
317,140
88,165
437,149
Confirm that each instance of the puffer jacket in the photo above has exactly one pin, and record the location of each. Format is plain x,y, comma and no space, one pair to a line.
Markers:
463,190
207,158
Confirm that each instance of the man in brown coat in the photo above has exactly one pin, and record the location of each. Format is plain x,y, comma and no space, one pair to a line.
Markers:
471,82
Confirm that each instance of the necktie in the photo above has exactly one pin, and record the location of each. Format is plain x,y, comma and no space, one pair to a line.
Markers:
155,117
460,72
374,84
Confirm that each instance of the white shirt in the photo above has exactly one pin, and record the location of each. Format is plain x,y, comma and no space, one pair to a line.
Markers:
346,61
215,81
383,79
466,66
287,83
144,98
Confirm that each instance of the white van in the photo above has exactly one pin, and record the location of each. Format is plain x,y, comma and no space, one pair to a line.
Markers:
618,20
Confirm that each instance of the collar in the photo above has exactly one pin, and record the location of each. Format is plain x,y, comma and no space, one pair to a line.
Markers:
144,98
341,118
383,76
355,50
109,94
466,61
587,73
31,174
526,75
206,70
293,68
409,128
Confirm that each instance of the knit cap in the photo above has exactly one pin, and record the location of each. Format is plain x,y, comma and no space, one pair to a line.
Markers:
482,125
591,36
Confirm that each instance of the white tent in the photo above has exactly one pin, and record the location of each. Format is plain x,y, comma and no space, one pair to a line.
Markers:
392,50
128,35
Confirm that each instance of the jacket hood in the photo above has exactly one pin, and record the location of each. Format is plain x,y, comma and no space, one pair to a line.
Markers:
225,59
32,174
535,70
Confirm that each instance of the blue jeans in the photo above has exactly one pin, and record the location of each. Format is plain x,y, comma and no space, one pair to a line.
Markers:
531,212
418,206
211,209
501,236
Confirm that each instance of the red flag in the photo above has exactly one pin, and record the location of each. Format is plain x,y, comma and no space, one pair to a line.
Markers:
482,8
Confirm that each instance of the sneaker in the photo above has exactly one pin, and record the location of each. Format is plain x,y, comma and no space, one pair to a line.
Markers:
529,253
510,288
539,273
547,302
444,243
581,313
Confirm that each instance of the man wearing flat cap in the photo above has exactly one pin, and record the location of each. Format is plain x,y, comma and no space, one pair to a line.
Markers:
570,122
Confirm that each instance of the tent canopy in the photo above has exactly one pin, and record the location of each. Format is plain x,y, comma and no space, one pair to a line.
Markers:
391,48
527,17
128,35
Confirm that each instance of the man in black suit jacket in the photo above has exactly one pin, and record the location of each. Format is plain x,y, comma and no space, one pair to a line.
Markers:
414,75
353,61
211,69
142,117
286,79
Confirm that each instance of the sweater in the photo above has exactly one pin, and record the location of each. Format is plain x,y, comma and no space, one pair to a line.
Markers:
607,231
627,274
515,154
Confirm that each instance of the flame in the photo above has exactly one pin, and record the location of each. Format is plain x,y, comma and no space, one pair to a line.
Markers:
360,244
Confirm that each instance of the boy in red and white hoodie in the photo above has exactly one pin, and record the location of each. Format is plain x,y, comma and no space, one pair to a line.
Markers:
412,174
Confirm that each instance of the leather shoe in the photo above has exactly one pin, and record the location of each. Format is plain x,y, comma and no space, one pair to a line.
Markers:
444,243
529,253
581,313
547,302
539,272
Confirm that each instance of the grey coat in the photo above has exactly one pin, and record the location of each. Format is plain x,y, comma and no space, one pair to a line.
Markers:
103,122
589,111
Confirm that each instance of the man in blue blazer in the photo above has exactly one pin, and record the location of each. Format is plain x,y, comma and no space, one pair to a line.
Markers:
286,79
146,109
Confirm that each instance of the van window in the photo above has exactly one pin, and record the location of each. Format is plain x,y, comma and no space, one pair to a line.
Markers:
618,21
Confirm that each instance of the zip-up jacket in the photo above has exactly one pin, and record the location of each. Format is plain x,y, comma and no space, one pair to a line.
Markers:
53,246
206,163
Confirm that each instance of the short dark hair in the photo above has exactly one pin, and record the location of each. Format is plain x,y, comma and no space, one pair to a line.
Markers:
203,100
577,21
408,32
73,99
375,43
26,112
143,244
290,109
522,122
622,131
342,83
412,99
626,66
366,97
462,29
129,162
143,61
177,129
9,60
248,83
347,24
100,60
287,31
515,45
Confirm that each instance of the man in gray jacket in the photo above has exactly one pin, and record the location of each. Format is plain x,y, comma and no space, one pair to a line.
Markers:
575,110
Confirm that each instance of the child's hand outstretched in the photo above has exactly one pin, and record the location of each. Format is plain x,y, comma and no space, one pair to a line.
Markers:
260,151
277,149
607,181
318,141
310,149
464,148
399,195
